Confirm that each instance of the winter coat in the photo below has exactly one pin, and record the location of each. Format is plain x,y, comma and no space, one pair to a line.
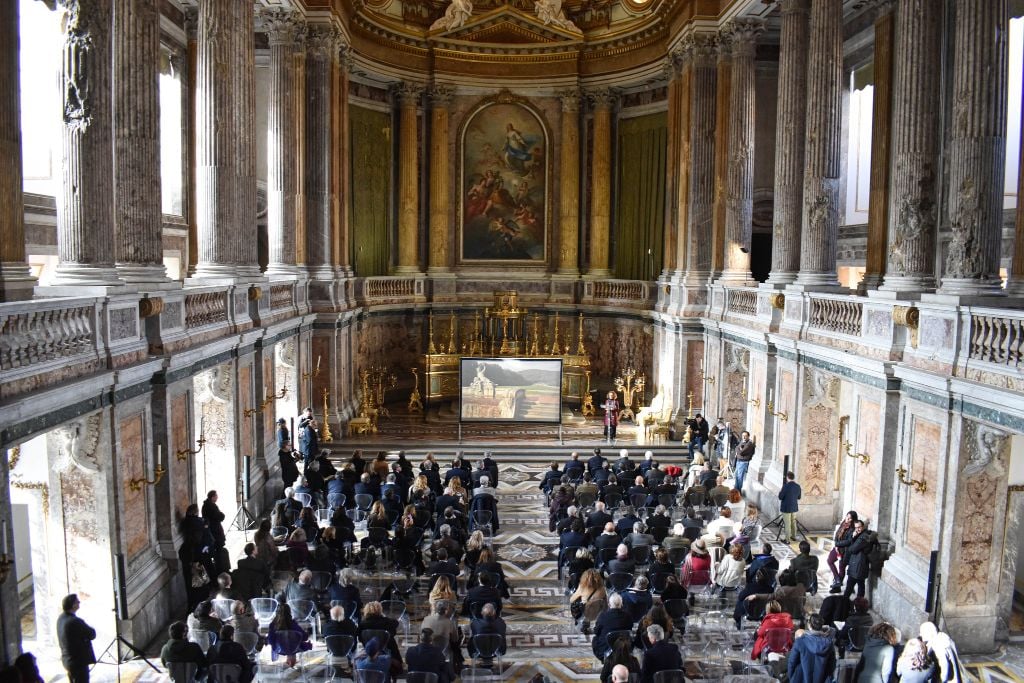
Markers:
877,662
855,552
770,621
812,659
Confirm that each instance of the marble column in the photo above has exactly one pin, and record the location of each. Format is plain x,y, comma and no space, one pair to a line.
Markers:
739,210
224,102
283,29
189,111
321,42
298,142
600,182
977,148
701,159
342,163
671,70
881,147
16,281
569,185
408,180
681,158
789,141
440,168
822,147
138,216
85,200
722,94
915,175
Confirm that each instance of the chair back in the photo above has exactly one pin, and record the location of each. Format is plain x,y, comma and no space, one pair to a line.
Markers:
488,645
321,580
182,672
619,581
393,609
223,608
289,642
341,645
695,496
612,500
778,640
670,676
585,499
637,500
364,501
692,533
323,516
302,610
225,673
604,556
421,677
641,554
248,640
696,578
658,582
614,636
677,609
369,676
480,519
204,639
677,555
382,636
858,636
279,531
377,535
336,500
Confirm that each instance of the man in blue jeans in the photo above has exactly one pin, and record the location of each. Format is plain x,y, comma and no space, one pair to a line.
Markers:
789,494
744,453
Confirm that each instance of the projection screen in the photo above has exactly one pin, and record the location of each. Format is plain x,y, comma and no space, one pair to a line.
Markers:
510,390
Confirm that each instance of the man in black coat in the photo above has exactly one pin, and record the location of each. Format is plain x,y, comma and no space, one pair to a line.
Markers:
615,618
551,478
596,461
573,467
339,624
489,623
252,575
227,651
660,656
599,517
429,658
485,593
75,637
367,486
855,552
289,470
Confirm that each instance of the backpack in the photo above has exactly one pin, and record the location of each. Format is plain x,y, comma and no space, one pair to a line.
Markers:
874,553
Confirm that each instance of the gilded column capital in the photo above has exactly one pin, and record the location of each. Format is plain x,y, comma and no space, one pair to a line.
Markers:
408,94
323,41
742,35
441,96
602,98
570,99
282,26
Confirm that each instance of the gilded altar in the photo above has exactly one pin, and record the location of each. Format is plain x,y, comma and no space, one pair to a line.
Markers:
505,330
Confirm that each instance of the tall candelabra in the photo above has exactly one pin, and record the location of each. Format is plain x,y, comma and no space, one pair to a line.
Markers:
630,385
377,380
325,433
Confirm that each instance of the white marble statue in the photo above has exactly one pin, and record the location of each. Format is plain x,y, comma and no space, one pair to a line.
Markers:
454,17
550,12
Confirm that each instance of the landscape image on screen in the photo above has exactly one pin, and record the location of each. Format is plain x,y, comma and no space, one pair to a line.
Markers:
511,390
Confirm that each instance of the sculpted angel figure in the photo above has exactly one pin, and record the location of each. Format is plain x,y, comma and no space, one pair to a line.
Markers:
550,12
454,17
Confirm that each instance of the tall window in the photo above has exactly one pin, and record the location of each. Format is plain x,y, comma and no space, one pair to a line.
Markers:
858,171
40,96
170,135
1013,111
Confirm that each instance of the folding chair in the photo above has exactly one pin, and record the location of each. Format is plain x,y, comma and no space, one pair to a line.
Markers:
182,672
264,609
225,673
488,646
670,676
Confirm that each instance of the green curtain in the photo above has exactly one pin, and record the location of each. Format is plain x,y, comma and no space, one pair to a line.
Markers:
371,190
640,196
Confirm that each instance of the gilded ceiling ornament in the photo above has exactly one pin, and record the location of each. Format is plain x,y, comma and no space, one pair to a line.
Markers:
454,17
550,12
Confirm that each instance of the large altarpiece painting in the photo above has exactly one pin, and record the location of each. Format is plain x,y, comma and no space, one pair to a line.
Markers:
504,205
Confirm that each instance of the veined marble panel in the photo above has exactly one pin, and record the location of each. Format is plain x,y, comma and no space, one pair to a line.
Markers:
869,423
925,445
132,465
181,438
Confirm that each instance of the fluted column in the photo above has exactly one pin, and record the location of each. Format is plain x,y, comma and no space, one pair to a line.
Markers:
408,180
671,71
701,161
600,182
342,164
16,282
569,185
914,167
977,148
789,141
822,151
681,158
246,251
440,167
85,200
283,29
137,207
722,94
190,113
742,34
321,42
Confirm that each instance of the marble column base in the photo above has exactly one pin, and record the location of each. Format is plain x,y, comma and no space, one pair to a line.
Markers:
137,273
16,282
1015,288
596,273
910,284
869,283
283,271
971,287
75,274
779,280
408,270
736,278
815,280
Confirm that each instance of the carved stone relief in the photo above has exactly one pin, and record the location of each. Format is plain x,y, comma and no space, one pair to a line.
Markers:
285,352
965,257
78,443
216,384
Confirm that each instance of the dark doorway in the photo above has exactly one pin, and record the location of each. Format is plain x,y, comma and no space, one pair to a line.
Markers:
760,255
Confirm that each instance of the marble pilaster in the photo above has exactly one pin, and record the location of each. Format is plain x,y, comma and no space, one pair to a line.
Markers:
600,170
722,95
977,148
881,139
16,281
671,71
342,163
681,158
408,180
440,167
789,141
742,35
189,108
137,209
701,159
822,148
283,29
569,185
85,200
914,175
321,42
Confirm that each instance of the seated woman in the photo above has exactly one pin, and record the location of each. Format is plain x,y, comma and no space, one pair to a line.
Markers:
203,618
774,618
442,590
489,563
589,593
373,619
661,564
730,570
622,653
696,570
474,545
284,623
298,548
655,615
578,564
307,522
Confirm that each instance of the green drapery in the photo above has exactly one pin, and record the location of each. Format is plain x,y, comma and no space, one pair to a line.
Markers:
371,190
640,196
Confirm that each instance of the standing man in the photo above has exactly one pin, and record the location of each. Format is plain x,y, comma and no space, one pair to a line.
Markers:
75,638
611,416
744,453
789,494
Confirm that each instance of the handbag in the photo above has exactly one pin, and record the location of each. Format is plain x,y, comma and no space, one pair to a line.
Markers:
576,608
199,576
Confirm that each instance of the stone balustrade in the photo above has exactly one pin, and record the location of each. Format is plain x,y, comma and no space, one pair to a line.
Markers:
841,315
38,331
392,290
206,308
619,293
742,301
996,337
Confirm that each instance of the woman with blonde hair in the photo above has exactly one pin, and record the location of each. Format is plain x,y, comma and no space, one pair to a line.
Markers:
442,590
455,484
695,469
378,516
916,664
730,570
420,492
474,545
590,598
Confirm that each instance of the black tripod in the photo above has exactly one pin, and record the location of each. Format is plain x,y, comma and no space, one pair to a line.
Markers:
777,524
116,658
243,520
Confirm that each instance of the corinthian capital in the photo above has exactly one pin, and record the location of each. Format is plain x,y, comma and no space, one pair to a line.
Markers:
570,99
323,41
441,96
282,26
602,98
787,7
700,48
408,94
742,35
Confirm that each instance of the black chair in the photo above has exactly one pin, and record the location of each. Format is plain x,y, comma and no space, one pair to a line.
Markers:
488,646
692,533
604,556
678,610
613,637
612,500
695,496
637,500
658,581
676,556
641,554
858,637
619,581
364,501
670,676
420,677
382,636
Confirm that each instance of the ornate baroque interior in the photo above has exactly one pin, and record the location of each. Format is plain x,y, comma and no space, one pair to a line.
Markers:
801,216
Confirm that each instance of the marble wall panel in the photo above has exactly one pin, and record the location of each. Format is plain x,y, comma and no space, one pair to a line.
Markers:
925,445
181,438
614,344
736,360
785,402
713,367
817,452
867,441
132,465
756,389
86,539
246,400
694,376
269,388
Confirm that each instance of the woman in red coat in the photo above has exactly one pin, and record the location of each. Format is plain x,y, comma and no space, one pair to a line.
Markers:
774,618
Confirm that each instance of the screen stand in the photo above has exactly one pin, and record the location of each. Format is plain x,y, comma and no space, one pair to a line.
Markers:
460,433
560,441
